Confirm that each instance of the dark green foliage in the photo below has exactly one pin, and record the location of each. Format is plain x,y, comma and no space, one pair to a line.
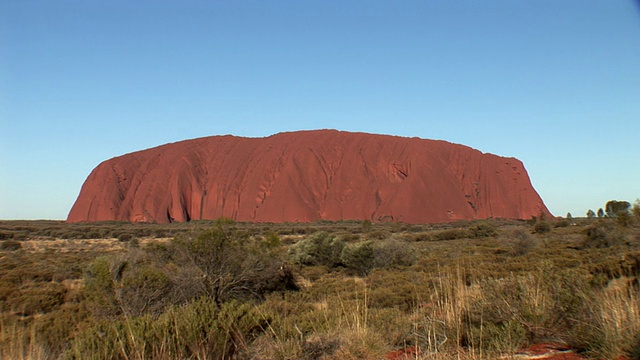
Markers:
393,253
359,257
614,207
216,263
483,229
600,213
591,214
100,287
320,248
542,227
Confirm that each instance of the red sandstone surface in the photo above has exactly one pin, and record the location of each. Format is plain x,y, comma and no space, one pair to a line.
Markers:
306,176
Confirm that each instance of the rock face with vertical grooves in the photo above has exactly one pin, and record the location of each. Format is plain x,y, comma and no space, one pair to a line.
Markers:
306,176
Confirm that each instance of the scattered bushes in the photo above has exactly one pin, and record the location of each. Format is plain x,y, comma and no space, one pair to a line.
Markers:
323,249
222,292
603,234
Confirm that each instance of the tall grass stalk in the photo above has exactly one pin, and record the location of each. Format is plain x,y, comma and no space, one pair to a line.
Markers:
20,343
617,320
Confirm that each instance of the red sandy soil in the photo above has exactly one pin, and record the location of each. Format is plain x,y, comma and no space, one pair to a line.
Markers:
307,176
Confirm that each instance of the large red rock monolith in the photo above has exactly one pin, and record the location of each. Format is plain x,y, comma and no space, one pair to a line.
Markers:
306,176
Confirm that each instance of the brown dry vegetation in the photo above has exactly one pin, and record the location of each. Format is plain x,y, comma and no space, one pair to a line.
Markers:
326,290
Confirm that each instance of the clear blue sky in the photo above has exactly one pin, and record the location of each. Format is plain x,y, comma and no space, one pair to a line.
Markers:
554,83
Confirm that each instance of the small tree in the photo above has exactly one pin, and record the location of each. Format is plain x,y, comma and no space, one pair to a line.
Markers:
600,213
591,214
614,207
569,217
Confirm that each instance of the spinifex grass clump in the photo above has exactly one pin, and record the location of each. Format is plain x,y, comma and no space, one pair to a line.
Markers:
200,329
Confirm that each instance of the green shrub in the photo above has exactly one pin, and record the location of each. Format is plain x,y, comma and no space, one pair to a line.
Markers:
393,252
484,229
320,248
144,289
542,227
100,288
359,257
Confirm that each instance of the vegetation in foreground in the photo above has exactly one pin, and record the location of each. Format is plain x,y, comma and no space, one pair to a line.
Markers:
327,290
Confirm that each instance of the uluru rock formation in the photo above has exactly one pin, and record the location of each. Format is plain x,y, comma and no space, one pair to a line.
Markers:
306,176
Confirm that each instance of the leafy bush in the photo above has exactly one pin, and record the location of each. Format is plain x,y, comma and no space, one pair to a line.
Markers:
320,248
484,229
393,252
359,256
542,227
